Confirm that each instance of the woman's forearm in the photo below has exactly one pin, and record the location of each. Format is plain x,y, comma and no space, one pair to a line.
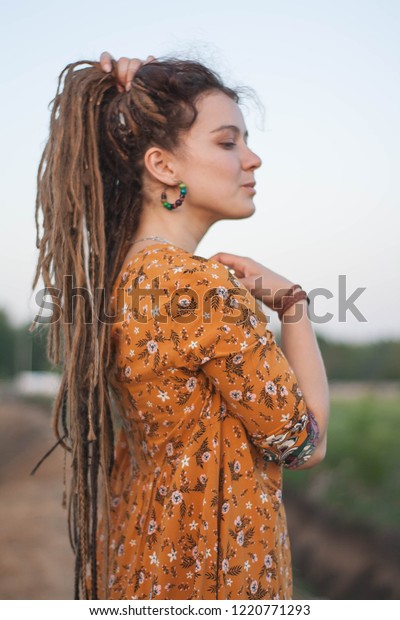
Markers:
299,344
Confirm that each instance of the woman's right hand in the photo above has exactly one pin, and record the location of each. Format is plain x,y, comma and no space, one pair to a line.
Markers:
263,283
125,68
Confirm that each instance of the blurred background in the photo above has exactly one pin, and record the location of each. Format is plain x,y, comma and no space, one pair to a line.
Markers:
325,123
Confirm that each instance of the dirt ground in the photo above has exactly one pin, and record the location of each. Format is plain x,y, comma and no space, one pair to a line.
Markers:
36,561
338,561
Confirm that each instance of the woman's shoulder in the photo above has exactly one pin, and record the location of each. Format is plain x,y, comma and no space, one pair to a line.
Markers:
174,265
169,270
188,279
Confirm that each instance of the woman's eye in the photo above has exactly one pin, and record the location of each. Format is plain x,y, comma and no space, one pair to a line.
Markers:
228,144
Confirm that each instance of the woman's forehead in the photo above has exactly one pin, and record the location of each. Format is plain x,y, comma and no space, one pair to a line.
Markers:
217,110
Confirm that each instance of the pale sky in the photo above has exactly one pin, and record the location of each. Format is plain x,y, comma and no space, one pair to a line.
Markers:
327,73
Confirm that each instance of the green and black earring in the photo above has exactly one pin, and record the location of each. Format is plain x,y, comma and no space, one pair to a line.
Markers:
178,202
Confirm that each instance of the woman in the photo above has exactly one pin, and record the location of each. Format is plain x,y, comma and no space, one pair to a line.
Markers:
168,348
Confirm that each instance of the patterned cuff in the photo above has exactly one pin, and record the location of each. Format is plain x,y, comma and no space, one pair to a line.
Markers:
305,450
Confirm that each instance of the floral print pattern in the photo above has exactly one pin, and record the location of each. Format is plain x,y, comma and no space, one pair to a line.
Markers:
210,412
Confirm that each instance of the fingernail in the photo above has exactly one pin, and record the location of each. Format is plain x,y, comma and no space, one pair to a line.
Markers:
128,87
108,67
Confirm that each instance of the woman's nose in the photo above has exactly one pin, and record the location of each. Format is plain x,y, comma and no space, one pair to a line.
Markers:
252,160
258,161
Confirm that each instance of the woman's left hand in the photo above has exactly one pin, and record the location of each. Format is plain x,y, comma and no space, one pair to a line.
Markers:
263,283
125,68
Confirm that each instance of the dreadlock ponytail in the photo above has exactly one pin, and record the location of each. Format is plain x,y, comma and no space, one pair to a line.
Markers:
74,264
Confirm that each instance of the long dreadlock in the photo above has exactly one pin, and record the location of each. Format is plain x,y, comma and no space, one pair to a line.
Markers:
89,190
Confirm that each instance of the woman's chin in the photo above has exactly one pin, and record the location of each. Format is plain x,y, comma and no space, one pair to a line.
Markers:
237,212
246,211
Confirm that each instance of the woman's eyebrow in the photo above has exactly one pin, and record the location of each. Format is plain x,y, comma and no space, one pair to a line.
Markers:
233,127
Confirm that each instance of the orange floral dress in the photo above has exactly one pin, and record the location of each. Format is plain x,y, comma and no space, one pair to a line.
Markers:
210,411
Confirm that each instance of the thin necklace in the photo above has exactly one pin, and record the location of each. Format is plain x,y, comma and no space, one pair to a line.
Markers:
155,238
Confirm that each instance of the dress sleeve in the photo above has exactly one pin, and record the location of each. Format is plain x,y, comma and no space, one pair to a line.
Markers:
218,327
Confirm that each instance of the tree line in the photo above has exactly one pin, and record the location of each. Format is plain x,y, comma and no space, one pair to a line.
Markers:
375,361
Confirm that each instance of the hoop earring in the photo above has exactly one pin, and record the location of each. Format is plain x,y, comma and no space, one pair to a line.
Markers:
178,202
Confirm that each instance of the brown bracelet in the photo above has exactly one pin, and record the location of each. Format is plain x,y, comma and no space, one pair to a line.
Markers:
290,298
278,302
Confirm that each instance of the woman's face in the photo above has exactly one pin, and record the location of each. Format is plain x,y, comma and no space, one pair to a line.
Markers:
215,162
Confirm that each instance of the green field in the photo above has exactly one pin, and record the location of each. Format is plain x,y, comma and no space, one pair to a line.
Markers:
360,476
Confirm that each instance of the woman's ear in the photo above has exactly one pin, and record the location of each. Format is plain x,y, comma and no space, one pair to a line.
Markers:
160,165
